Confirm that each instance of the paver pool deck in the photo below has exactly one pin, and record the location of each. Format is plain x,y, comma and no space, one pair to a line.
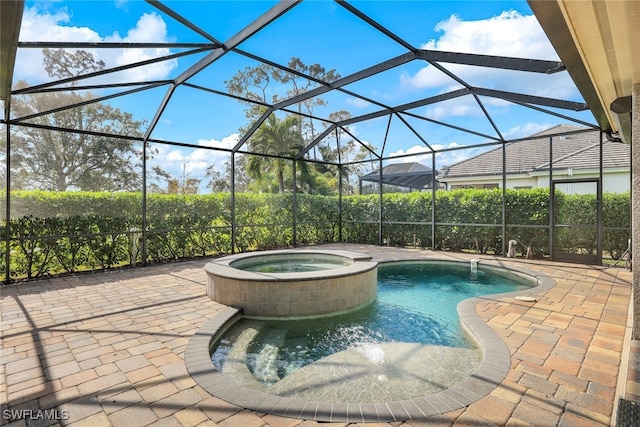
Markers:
108,349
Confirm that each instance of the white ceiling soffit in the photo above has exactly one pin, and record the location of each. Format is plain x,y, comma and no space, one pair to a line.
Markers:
597,41
10,18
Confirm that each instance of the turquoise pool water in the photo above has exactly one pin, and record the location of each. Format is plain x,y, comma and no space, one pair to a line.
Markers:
416,303
291,263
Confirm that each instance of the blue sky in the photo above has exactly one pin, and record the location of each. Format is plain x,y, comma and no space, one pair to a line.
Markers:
316,31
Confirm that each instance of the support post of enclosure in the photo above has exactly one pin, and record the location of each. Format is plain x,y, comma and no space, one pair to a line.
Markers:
295,207
143,249
504,197
340,203
635,205
233,202
7,202
552,204
380,239
434,183
599,206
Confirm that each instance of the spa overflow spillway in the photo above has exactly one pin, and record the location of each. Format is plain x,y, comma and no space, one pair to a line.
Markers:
287,283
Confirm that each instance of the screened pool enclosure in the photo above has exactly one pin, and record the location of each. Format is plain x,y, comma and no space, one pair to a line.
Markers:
241,126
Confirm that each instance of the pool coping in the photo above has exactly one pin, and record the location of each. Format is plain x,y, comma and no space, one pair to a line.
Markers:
494,367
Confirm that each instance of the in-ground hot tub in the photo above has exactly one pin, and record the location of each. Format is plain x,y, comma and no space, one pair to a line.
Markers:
287,283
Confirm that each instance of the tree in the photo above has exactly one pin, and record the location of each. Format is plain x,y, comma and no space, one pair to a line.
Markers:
259,86
183,185
52,158
188,186
65,64
346,152
219,182
301,85
255,84
277,137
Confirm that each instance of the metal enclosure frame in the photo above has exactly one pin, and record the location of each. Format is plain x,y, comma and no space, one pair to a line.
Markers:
214,49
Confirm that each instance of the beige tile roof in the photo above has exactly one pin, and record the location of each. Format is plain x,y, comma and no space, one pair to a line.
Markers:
576,150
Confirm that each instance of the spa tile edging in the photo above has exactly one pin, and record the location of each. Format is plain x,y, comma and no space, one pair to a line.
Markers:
493,369
293,294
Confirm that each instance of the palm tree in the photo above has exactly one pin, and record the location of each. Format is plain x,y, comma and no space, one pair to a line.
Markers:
279,138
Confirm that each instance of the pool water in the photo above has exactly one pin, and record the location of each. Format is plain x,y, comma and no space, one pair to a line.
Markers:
290,266
416,303
290,263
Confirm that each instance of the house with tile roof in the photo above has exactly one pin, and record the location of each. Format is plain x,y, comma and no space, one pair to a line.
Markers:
527,163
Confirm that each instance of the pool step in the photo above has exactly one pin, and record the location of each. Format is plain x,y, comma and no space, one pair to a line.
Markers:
235,363
266,368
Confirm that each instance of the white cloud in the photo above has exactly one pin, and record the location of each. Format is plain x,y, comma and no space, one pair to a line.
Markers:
428,78
447,158
421,154
43,25
443,158
465,106
527,129
39,26
509,34
201,156
149,28
462,108
227,142
500,35
357,102
194,161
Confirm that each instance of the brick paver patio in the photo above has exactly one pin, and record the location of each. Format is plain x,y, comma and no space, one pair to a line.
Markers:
108,349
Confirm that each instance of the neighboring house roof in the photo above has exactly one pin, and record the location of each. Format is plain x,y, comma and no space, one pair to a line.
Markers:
575,150
411,175
614,155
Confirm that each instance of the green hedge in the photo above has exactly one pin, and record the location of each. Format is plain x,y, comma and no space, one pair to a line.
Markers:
187,226
54,233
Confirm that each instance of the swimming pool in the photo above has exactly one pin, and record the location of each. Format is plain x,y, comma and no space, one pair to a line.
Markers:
409,342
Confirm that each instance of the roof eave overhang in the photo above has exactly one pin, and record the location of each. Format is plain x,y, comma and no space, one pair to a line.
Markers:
552,20
10,21
596,42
